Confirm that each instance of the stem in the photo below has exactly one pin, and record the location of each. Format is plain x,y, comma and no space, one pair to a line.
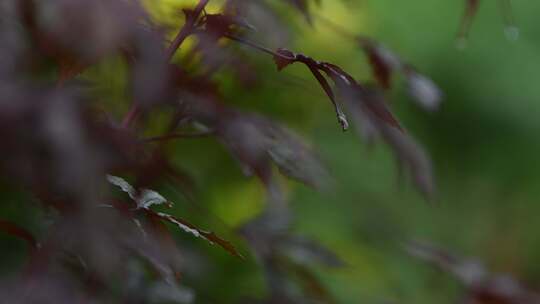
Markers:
184,32
257,47
339,29
336,27
178,135
187,29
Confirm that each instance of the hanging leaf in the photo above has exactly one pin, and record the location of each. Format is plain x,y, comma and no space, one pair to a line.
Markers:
384,63
409,154
341,79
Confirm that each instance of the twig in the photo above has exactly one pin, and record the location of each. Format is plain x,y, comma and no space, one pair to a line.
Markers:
179,135
257,46
184,32
339,29
187,29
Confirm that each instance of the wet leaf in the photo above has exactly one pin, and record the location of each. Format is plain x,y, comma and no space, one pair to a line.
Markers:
191,229
143,198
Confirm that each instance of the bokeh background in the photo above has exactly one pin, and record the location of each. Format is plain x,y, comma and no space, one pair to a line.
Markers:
483,141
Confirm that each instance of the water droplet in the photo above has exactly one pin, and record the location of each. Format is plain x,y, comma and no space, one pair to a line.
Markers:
512,32
461,43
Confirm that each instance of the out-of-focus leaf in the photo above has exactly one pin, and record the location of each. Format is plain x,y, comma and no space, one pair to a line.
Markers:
483,286
383,61
166,293
307,252
424,91
286,258
255,141
295,158
409,154
312,285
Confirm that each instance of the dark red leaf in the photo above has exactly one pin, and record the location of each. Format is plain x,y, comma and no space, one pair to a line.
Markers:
383,63
19,232
284,57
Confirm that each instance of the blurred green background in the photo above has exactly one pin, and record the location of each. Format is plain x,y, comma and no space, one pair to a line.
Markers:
483,141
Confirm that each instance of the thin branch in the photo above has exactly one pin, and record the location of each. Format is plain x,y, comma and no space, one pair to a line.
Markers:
257,46
336,27
187,29
307,61
179,135
339,29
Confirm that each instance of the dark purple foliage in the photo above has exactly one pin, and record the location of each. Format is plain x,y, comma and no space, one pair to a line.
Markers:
481,285
70,154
